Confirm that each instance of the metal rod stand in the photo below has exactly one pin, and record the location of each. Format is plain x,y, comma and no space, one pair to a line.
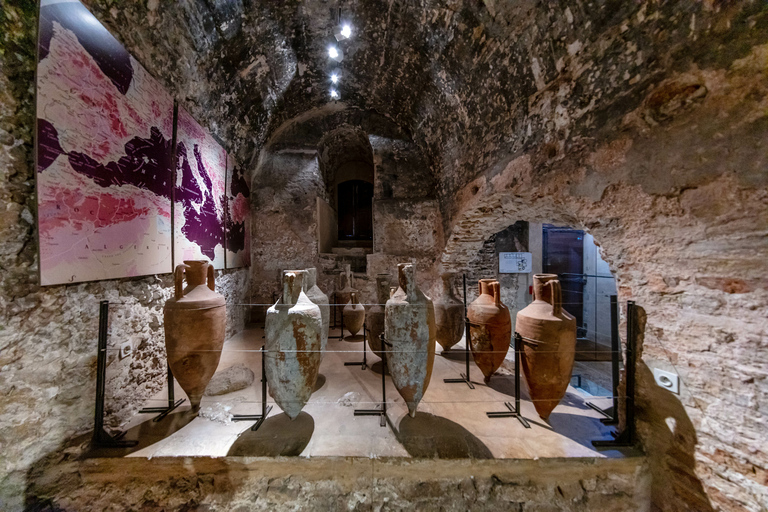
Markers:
172,402
341,314
514,412
101,438
258,418
612,413
464,376
364,362
382,410
627,436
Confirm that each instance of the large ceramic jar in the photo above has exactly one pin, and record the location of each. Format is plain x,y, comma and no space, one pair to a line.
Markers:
409,328
293,342
549,344
344,290
354,315
375,316
316,295
195,324
490,328
449,314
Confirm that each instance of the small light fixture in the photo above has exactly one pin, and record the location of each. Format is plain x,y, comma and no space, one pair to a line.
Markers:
335,77
343,32
334,94
335,53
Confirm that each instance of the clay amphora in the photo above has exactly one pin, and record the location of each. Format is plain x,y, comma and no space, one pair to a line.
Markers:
549,344
375,317
195,324
354,315
409,327
490,328
316,295
449,314
344,290
293,341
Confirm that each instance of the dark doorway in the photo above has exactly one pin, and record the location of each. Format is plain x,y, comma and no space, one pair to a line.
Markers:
355,198
563,251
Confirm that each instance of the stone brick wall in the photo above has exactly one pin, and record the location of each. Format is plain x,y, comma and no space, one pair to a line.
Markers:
48,335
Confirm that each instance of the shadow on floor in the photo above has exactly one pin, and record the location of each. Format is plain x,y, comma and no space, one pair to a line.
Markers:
319,383
354,339
454,354
147,434
430,436
378,367
277,436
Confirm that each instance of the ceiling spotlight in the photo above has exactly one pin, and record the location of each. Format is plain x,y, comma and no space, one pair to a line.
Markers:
335,78
334,94
343,31
335,53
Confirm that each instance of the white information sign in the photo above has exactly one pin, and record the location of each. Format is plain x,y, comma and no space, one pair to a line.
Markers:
515,263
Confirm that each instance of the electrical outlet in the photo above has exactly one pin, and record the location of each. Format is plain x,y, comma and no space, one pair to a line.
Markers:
668,380
126,349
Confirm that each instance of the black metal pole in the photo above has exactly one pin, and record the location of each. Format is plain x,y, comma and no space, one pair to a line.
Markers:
101,365
464,376
100,437
630,369
466,330
615,355
259,418
171,397
627,436
382,410
518,347
514,412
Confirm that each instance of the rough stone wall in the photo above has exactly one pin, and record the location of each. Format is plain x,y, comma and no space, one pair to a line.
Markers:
678,202
48,335
241,484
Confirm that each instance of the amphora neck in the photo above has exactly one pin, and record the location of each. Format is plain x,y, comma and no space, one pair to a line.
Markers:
196,272
293,281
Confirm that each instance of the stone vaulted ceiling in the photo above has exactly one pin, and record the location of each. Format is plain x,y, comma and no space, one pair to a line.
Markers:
474,83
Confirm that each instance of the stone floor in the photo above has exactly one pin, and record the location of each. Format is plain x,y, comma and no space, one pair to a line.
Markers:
450,423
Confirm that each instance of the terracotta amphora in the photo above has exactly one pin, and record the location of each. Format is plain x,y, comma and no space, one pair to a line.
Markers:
449,314
293,341
374,319
354,315
343,290
490,328
195,324
549,344
316,295
409,327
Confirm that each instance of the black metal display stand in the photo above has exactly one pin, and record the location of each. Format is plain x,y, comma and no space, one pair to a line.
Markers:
627,436
382,410
612,413
464,376
340,325
514,412
364,362
101,438
172,402
258,418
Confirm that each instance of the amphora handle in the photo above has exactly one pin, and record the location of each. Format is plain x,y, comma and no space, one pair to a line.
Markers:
555,296
496,287
211,278
178,280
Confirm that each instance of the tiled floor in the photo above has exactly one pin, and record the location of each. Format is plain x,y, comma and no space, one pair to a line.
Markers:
451,421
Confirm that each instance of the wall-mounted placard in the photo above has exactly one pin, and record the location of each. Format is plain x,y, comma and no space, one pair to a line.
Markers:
515,263
104,156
